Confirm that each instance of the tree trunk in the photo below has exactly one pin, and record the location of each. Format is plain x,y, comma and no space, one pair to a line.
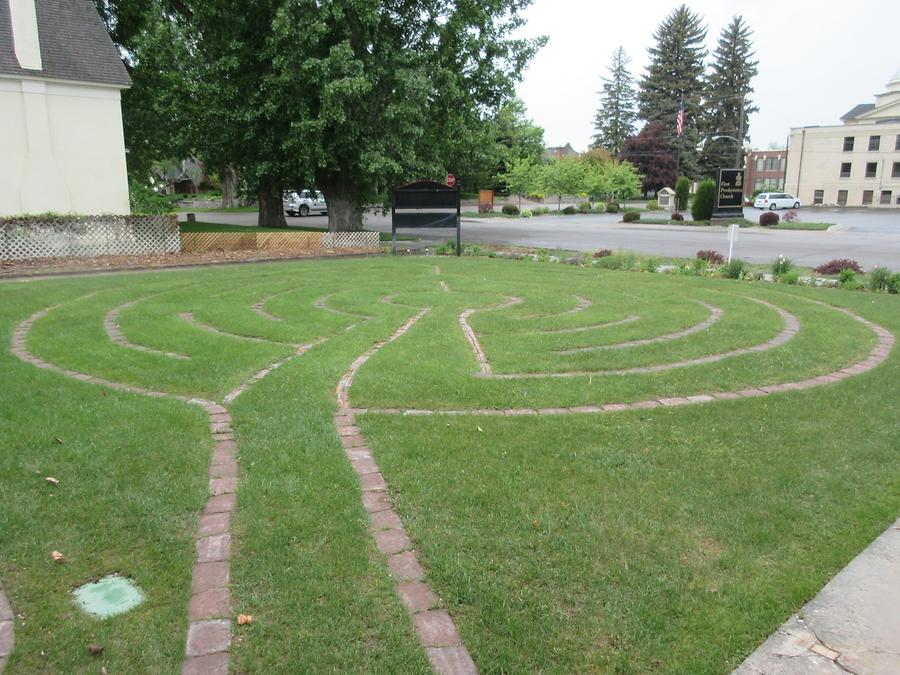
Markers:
271,210
345,211
229,186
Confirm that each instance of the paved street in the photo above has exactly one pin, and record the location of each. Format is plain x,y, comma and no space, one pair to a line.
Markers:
869,237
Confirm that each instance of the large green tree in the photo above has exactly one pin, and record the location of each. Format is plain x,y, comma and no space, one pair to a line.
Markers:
675,74
614,121
350,95
726,101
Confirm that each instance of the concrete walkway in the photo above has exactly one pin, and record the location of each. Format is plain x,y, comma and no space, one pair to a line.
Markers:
851,626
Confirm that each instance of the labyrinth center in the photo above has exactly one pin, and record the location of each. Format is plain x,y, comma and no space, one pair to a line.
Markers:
448,344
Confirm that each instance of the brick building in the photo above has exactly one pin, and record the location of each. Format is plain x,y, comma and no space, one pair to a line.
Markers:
765,171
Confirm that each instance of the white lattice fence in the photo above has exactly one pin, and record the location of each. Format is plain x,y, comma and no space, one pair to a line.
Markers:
87,236
356,240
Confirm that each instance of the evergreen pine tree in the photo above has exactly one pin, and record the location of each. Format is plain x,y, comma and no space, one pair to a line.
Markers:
726,100
675,73
614,121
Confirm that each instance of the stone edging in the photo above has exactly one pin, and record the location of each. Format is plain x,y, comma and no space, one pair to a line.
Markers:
115,334
436,630
7,630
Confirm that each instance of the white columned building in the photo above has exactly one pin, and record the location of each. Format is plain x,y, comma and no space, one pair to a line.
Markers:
856,163
61,78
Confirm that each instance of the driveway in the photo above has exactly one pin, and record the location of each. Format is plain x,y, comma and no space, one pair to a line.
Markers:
869,237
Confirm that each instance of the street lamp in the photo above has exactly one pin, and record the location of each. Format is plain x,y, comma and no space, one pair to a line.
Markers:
737,157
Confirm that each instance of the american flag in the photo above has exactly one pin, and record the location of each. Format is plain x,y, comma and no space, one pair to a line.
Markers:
679,120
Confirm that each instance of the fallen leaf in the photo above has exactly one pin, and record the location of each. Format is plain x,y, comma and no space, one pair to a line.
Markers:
480,429
57,556
52,480
104,671
58,440
244,619
95,649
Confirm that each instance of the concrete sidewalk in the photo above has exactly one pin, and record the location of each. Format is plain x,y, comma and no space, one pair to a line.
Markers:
851,626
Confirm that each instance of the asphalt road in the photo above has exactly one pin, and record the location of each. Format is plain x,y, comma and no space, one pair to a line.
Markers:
869,237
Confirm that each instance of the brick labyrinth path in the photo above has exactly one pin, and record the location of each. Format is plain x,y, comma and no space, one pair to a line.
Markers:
210,609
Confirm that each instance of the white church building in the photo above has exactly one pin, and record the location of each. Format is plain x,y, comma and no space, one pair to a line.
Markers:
61,78
856,163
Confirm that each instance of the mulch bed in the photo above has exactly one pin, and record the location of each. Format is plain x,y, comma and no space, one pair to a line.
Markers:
75,265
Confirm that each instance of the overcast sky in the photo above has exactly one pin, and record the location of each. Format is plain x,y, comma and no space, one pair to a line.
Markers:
816,60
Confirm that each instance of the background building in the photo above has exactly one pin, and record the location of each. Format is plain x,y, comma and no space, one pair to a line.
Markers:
61,145
765,171
853,164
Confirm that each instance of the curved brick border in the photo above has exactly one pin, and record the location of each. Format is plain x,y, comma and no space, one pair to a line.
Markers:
484,365
260,307
115,334
209,627
434,626
715,315
791,327
7,630
584,329
876,357
188,317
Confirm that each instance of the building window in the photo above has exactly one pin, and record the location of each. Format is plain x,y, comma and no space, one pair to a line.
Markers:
842,198
874,142
895,170
897,143
760,162
871,168
885,197
845,169
781,164
848,143
818,196
758,184
867,197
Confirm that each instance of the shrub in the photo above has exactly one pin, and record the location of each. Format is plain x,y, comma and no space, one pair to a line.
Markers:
838,265
447,248
734,270
879,279
510,210
631,216
599,208
540,210
677,216
584,207
570,210
485,208
526,213
791,217
653,205
651,265
847,278
682,192
894,286
617,262
792,277
781,266
705,197
768,218
710,256
602,253
612,207
144,201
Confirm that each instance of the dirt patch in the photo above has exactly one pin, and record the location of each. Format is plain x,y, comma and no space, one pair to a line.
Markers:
51,266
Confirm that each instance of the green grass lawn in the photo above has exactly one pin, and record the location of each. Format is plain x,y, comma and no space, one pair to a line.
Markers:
671,539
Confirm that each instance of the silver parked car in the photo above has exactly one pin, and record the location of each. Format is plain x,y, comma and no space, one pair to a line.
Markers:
776,200
304,202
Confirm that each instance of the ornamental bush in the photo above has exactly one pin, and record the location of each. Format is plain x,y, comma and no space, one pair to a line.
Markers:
704,199
653,205
526,213
768,218
733,270
710,256
631,216
879,279
602,253
838,265
570,210
510,209
612,207
584,207
781,266
682,193
677,216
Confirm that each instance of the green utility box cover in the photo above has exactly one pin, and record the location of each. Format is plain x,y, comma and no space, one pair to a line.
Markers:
108,597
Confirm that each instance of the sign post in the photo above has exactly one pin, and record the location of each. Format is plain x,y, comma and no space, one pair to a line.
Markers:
732,237
425,203
729,194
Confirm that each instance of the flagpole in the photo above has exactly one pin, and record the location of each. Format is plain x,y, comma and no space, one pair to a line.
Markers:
679,124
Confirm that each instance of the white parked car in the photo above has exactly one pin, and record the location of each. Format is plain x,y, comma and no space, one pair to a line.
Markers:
776,200
304,202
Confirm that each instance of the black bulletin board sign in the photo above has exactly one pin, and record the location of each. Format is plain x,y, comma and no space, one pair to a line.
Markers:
729,194
425,203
